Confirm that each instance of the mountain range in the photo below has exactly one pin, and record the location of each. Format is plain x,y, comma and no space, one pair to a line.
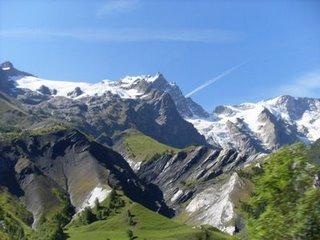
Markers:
66,147
257,127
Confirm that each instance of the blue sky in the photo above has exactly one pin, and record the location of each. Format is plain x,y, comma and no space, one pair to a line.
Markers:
190,42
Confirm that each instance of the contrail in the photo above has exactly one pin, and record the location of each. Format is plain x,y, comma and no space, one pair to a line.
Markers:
211,81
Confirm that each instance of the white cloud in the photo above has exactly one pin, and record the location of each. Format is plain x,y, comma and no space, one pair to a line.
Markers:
307,85
116,6
127,35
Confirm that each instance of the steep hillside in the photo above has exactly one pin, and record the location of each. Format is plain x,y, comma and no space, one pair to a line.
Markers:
116,217
58,172
45,166
15,220
13,115
285,203
198,183
129,220
136,148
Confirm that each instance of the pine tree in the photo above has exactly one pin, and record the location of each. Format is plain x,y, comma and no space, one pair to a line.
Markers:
130,218
87,216
97,204
130,234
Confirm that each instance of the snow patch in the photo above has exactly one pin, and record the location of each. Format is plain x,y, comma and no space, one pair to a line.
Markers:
125,88
310,122
62,87
99,193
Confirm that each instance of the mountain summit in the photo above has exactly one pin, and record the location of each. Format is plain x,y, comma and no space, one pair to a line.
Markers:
104,109
8,75
129,87
263,126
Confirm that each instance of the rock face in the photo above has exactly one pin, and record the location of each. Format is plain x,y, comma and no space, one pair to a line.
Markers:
32,167
8,75
75,93
155,115
186,106
46,91
264,126
275,132
241,138
190,178
215,205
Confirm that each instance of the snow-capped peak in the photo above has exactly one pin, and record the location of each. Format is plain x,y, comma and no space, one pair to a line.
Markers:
131,87
127,87
295,117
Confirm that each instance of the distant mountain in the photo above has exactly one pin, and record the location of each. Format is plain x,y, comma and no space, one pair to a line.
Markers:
127,88
251,127
263,126
144,103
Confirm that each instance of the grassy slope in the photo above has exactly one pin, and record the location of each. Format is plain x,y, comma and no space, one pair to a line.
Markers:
142,148
10,115
284,203
12,134
148,225
6,105
16,218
